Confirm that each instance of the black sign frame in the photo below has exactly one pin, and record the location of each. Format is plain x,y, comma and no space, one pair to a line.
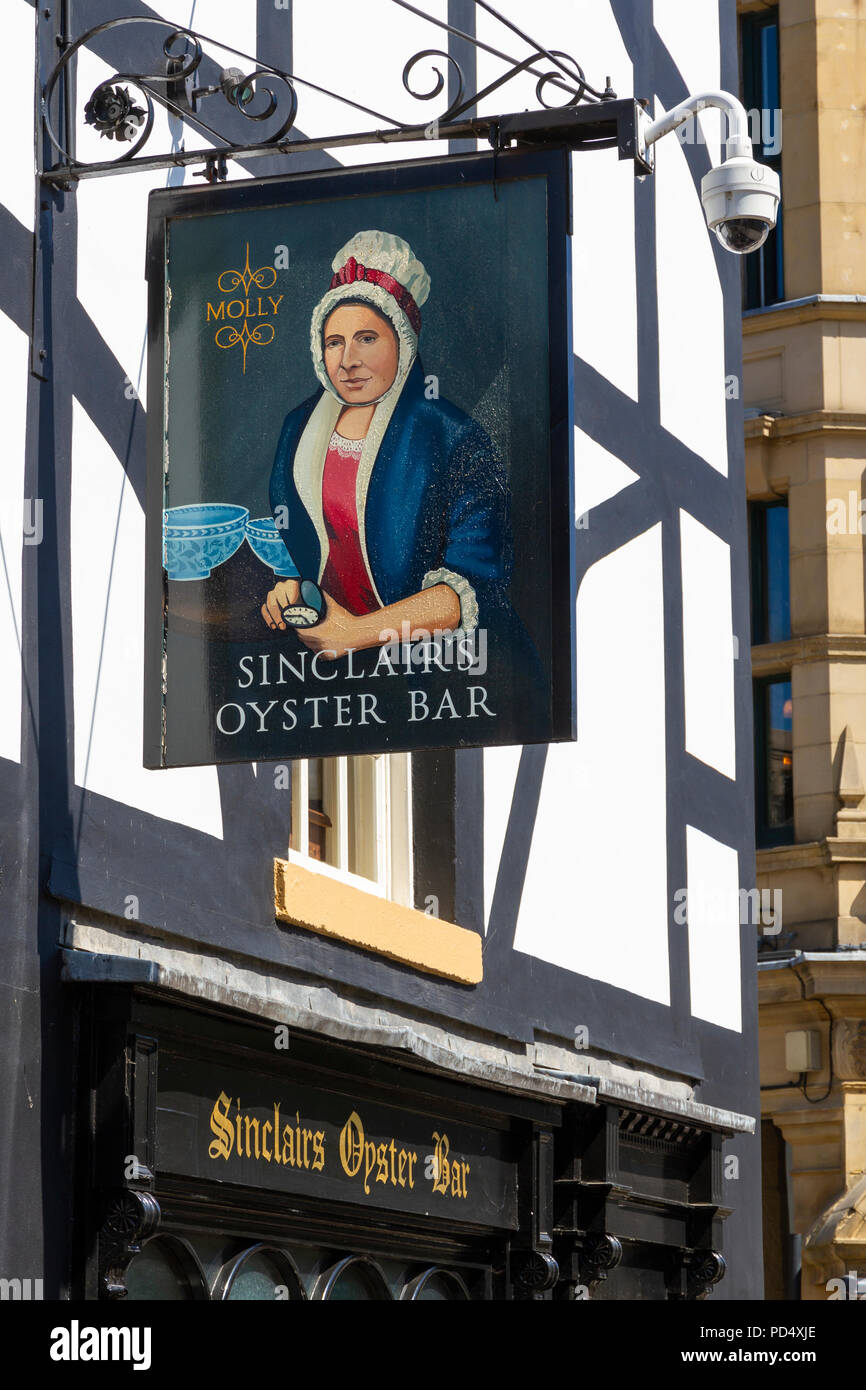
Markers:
168,206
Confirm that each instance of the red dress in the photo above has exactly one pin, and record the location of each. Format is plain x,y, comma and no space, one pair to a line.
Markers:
346,577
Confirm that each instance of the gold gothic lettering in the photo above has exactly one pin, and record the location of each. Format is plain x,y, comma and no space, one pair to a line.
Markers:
249,1137
293,1144
377,1163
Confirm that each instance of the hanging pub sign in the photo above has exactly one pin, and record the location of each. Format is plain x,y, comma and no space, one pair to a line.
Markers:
359,499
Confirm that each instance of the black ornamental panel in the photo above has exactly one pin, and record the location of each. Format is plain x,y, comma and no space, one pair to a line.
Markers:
225,1124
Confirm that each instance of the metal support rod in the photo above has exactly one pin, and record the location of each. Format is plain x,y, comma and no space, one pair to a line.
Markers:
738,141
603,121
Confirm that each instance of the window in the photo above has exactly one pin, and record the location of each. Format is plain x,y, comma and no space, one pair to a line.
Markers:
352,819
763,281
260,1274
166,1268
356,1279
774,763
770,572
436,1285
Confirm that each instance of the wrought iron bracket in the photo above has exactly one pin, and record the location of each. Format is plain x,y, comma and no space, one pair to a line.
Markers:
600,1253
533,1272
694,1273
130,1218
184,81
215,169
613,124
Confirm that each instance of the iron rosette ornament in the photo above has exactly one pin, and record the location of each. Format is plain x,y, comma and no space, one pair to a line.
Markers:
533,1272
131,1217
115,113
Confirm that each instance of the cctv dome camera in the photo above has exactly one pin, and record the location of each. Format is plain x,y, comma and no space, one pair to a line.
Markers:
743,234
741,199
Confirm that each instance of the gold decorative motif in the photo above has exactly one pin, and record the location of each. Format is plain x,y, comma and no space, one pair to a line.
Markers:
237,313
247,277
244,337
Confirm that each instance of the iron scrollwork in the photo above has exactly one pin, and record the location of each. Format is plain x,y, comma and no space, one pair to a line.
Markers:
111,109
121,108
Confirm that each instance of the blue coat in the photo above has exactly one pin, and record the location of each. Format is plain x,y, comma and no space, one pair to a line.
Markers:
437,498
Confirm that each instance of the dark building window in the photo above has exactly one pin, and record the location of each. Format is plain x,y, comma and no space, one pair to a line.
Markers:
763,280
165,1269
774,763
770,577
260,1274
355,1279
435,1285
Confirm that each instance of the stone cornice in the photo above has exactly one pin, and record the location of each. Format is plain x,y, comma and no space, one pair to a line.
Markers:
781,428
776,657
836,977
816,308
845,851
811,854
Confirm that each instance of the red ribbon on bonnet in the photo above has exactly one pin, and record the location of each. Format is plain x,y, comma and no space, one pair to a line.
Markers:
353,270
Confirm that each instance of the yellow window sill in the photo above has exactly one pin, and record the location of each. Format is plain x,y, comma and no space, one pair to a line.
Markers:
321,904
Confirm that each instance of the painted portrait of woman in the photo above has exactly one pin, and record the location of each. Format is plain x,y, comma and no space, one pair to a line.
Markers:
389,497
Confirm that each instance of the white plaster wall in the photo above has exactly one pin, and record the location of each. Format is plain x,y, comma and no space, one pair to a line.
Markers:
107,520
605,290
500,774
19,159
714,930
708,646
17,193
15,375
603,801
689,30
360,53
107,540
691,324
598,474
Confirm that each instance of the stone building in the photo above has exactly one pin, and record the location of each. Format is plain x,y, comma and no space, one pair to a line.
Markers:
804,354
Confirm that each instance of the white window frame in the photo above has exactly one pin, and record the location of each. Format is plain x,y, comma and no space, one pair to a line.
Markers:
390,825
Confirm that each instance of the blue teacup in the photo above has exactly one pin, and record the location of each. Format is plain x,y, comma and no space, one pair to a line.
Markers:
268,544
198,538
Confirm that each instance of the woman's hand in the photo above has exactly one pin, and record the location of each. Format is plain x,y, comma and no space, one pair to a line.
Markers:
284,595
337,633
436,609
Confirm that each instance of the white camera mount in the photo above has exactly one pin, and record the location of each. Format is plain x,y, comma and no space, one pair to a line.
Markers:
740,197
